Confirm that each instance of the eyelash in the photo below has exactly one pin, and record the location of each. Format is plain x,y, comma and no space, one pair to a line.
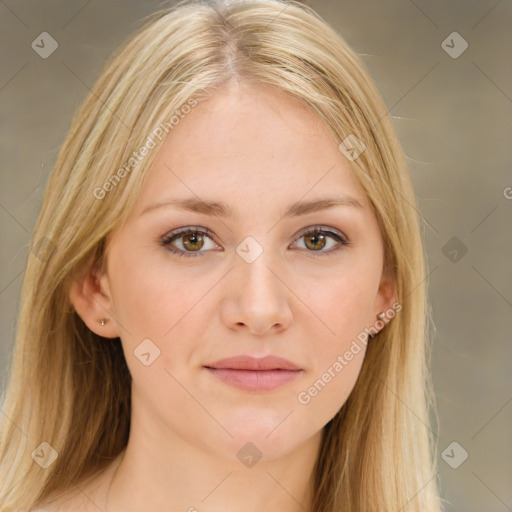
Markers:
173,235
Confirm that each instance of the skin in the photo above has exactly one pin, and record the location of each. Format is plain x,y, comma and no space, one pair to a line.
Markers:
258,150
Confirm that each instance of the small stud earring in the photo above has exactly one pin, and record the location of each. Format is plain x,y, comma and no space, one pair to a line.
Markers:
380,316
103,321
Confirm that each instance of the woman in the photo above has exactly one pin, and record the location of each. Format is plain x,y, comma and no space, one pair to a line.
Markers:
225,302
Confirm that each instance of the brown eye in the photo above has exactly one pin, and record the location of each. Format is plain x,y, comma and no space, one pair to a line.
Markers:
193,241
316,241
188,241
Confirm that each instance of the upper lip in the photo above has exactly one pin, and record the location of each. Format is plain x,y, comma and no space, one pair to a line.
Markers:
245,362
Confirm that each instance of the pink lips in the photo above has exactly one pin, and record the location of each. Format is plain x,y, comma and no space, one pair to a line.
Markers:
252,374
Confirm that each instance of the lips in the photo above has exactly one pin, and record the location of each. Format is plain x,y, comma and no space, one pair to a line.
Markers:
253,363
253,374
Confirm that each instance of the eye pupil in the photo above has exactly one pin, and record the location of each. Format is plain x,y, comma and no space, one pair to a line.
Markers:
189,244
316,237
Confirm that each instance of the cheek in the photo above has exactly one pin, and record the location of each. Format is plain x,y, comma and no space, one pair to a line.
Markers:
345,314
344,306
149,300
142,304
343,310
168,308
323,395
336,361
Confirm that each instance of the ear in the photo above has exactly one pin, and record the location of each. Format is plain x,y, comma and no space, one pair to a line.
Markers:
91,297
386,298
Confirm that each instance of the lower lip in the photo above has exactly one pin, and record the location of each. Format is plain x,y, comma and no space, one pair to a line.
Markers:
255,380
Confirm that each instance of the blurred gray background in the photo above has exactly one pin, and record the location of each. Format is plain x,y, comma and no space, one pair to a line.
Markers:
451,107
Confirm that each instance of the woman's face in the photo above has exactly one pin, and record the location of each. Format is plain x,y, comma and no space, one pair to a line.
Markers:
259,283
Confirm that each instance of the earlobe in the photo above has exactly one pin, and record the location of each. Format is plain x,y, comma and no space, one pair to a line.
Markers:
91,298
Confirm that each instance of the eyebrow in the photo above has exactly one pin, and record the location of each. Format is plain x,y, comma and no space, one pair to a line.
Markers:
223,210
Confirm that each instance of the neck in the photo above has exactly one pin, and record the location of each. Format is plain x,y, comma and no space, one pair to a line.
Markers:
181,477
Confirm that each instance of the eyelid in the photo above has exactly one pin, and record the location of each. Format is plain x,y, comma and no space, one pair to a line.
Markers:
340,237
176,233
323,229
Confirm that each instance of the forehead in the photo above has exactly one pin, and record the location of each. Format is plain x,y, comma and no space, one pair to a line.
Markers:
247,143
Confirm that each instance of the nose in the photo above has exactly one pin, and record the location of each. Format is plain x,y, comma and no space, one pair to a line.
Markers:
257,297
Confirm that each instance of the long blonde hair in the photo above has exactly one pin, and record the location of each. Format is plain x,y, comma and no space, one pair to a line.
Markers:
70,388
